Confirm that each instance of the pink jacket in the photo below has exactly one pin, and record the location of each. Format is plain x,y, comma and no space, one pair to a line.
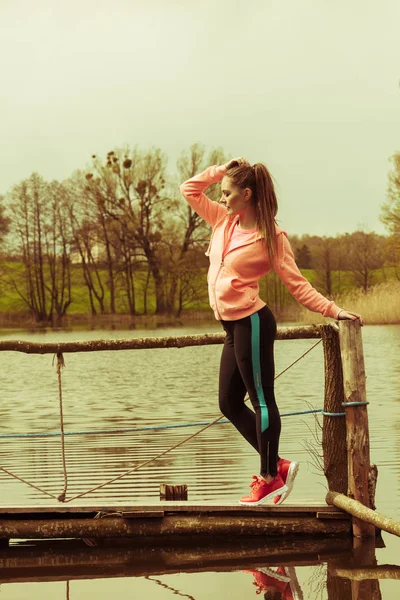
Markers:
233,276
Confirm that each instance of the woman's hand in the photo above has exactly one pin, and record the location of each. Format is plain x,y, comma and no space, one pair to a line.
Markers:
344,314
236,162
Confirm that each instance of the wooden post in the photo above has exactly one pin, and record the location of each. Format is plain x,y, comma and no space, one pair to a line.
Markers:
334,428
173,492
364,555
338,587
356,419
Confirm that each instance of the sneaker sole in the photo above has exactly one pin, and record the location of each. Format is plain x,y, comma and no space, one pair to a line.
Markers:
274,574
279,491
291,476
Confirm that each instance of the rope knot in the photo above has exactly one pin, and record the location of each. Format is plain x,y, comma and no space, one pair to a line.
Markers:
60,361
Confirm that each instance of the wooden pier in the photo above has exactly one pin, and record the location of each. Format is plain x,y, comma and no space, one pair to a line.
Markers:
170,520
345,445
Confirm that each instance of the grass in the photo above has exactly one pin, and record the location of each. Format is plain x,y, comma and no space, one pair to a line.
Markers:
380,306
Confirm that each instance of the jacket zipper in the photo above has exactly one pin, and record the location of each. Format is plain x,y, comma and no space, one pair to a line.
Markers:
215,286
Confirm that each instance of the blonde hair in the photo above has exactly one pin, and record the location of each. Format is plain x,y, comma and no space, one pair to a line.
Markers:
258,179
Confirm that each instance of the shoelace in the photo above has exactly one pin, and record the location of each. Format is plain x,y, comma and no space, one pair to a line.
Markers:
260,587
257,480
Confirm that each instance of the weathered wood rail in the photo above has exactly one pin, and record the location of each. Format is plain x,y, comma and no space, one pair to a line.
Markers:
184,341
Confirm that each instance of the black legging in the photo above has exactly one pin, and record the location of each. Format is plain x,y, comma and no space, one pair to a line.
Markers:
247,364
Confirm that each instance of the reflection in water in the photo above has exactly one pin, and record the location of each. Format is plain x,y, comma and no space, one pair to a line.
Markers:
278,568
169,588
277,584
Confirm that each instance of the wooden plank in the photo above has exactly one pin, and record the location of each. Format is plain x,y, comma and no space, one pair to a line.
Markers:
172,506
140,514
172,525
332,515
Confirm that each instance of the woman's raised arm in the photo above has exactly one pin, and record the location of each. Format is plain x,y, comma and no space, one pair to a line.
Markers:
193,191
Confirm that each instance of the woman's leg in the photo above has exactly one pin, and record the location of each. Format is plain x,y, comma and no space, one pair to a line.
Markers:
232,391
253,341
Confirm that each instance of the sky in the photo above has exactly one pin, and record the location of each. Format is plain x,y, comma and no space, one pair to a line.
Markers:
309,87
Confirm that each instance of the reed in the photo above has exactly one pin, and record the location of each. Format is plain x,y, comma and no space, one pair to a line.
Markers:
380,305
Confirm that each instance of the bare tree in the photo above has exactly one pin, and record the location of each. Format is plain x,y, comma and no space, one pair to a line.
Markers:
4,220
324,263
195,231
87,242
57,245
364,257
392,254
128,190
146,220
44,246
390,216
192,281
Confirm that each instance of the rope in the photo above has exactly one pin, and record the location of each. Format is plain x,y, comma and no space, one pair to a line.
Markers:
167,587
143,464
32,485
138,429
150,460
300,357
60,365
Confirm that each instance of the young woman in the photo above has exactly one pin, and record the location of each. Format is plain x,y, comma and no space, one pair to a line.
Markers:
246,244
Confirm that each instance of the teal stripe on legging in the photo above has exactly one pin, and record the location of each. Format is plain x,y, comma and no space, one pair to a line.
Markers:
255,359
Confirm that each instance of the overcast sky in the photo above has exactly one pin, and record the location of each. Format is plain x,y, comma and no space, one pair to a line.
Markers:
310,87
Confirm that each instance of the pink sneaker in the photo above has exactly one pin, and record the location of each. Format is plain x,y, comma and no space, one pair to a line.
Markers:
267,579
288,470
261,491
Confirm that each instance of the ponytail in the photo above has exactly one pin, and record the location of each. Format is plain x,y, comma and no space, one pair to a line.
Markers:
266,208
259,180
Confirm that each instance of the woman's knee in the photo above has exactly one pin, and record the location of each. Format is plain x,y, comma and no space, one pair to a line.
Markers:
229,409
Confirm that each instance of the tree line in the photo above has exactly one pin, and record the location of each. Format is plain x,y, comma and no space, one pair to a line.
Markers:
123,227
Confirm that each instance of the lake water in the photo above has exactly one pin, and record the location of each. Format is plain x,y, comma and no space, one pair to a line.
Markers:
153,388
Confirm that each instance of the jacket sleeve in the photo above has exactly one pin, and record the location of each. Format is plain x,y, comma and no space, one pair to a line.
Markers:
193,191
299,287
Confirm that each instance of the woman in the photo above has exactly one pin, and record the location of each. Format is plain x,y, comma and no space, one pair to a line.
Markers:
246,244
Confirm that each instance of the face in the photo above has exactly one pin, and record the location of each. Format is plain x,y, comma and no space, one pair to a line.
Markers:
236,199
